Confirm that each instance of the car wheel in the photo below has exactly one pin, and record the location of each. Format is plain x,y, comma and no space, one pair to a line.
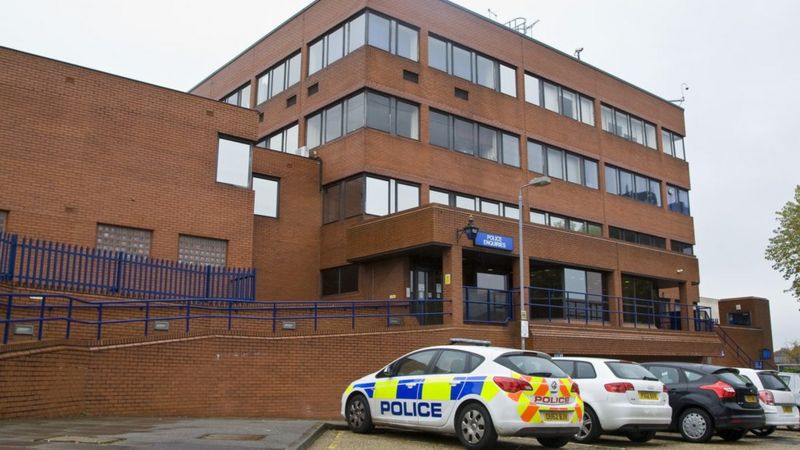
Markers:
762,432
590,428
553,442
732,435
474,427
641,436
696,426
359,419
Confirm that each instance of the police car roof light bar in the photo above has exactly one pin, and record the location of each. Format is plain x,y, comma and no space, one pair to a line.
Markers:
462,341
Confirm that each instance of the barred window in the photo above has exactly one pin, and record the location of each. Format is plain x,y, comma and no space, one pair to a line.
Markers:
133,241
202,251
3,220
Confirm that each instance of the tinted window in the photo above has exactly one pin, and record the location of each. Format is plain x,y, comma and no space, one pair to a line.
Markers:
454,361
378,112
667,375
567,366
584,370
771,381
629,370
733,379
530,364
692,376
439,129
414,364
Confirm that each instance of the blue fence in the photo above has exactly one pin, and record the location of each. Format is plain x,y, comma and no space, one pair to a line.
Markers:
43,264
492,306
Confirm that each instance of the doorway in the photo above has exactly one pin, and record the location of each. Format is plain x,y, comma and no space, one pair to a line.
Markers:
426,294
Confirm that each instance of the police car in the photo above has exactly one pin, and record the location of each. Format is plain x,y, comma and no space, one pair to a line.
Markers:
472,390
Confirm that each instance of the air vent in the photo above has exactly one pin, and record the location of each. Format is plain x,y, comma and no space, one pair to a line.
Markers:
462,94
313,89
410,76
291,101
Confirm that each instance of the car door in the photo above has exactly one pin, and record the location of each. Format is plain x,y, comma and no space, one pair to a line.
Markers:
440,390
673,378
397,393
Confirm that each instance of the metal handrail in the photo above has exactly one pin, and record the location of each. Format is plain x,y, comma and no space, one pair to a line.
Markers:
490,306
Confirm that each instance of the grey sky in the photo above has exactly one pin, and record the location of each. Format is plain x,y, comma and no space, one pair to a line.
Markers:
738,57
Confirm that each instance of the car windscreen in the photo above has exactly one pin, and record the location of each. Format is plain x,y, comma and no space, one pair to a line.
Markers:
732,378
772,382
630,371
530,364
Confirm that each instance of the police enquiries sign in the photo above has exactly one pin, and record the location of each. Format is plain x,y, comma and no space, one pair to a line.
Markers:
494,241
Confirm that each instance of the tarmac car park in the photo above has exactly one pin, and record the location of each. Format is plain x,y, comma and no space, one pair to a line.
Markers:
476,392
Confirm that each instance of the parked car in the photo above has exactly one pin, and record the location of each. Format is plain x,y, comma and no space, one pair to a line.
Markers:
793,381
708,400
474,392
619,397
776,399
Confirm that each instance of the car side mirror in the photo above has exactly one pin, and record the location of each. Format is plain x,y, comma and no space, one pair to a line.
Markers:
386,372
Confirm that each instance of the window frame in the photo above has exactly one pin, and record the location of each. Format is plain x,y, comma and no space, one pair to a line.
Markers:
500,137
339,272
222,137
565,154
473,56
238,92
629,126
619,172
258,176
285,63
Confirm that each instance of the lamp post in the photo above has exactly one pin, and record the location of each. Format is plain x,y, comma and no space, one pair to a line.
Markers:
523,311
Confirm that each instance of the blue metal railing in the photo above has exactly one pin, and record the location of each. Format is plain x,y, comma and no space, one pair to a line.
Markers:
71,312
492,306
556,304
43,264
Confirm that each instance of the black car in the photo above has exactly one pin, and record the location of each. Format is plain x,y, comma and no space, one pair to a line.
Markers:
708,400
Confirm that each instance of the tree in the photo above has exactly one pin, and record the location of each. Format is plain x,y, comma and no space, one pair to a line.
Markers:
784,247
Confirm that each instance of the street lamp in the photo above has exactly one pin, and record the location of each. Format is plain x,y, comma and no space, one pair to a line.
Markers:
523,311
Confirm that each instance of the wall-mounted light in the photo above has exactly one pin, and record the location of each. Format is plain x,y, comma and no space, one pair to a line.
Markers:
679,271
289,325
471,230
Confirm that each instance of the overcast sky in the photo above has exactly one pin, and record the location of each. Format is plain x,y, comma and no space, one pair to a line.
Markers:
739,59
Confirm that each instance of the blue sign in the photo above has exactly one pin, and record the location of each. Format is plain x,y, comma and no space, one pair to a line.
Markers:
758,365
494,241
766,353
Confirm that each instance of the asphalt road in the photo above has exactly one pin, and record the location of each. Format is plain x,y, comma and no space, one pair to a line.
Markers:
405,440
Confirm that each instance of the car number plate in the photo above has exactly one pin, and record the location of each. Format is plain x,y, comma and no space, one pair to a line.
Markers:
647,395
555,416
787,409
750,399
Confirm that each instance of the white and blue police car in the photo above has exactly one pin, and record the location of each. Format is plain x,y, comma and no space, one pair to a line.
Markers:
472,390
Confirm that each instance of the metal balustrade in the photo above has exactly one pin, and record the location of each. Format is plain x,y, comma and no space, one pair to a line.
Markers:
491,306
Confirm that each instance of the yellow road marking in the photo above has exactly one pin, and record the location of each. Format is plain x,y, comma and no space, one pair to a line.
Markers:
336,440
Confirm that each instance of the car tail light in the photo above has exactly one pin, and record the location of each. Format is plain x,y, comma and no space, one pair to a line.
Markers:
664,388
576,389
619,387
721,388
512,384
766,397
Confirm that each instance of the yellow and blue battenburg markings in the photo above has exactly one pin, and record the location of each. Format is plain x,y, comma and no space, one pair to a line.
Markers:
431,388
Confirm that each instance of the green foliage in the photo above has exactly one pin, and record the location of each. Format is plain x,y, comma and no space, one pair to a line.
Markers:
784,246
791,353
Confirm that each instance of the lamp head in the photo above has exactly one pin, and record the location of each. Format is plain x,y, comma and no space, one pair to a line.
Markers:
540,181
471,230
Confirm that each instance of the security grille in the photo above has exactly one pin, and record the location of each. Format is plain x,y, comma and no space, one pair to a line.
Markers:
202,251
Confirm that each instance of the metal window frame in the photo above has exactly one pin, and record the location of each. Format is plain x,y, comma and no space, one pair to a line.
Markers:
277,180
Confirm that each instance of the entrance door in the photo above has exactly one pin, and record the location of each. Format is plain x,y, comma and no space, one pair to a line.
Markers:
426,295
493,287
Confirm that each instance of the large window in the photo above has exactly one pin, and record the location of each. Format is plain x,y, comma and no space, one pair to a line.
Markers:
472,66
473,138
366,108
278,78
472,203
682,247
635,237
284,140
367,194
567,292
678,199
633,185
133,241
233,162
566,223
339,280
562,164
202,251
267,195
369,28
672,143
628,126
239,97
559,99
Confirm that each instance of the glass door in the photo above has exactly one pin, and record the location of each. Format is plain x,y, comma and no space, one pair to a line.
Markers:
426,295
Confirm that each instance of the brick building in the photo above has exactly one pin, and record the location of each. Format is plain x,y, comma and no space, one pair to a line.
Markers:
344,155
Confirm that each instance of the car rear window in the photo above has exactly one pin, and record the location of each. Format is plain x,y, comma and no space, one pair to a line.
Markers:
733,379
630,371
531,365
772,382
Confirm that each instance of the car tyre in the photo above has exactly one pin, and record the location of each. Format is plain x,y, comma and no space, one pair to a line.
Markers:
554,442
641,436
763,432
732,435
359,419
695,426
474,427
590,428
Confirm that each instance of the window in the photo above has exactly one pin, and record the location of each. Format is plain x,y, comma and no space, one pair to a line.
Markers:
629,370
529,364
472,66
566,223
284,140
455,362
667,375
672,143
636,238
473,138
233,162
473,203
369,28
633,185
741,318
239,97
559,99
628,126
3,220
278,78
132,241
414,364
266,203
577,369
367,194
678,199
692,376
202,251
339,280
562,164
682,247
375,110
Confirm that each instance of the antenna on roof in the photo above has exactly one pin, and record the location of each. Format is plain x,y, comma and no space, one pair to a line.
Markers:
578,53
491,13
520,25
684,89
